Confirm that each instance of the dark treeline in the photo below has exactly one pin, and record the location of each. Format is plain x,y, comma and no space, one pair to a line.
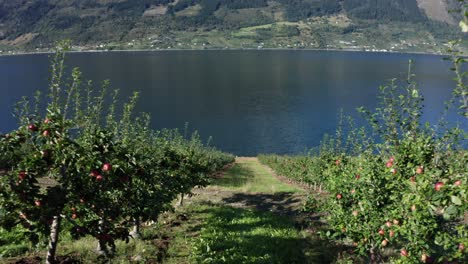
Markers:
210,6
300,9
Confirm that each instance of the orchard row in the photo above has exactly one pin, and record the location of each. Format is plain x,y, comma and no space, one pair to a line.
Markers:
396,193
80,167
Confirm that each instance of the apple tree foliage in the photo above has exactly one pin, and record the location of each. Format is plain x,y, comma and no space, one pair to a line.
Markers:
397,193
75,158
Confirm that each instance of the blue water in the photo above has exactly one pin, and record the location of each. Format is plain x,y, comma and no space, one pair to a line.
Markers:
250,102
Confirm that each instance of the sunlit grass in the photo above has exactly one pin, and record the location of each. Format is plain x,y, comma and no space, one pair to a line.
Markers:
248,175
237,235
84,249
223,234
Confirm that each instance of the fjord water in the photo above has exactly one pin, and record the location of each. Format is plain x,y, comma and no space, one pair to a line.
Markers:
250,102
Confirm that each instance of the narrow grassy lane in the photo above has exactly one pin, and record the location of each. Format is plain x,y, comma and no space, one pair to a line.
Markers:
249,176
246,215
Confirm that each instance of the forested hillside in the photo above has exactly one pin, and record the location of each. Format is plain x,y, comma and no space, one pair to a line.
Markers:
401,10
147,24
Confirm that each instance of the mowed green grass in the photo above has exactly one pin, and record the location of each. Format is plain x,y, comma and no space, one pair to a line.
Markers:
248,175
236,235
220,233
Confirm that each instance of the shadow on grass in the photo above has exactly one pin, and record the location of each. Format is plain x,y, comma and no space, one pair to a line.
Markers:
237,235
237,176
284,203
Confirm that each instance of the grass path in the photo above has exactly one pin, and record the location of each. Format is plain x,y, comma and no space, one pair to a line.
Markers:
249,176
247,215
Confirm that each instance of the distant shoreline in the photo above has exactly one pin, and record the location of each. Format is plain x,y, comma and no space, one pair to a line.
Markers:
228,49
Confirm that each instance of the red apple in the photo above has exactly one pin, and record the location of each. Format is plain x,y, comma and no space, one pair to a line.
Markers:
420,170
384,243
107,167
47,121
22,175
94,173
99,178
412,179
396,222
388,224
438,186
461,247
74,216
73,209
32,127
339,196
393,171
381,232
337,162
391,233
82,201
458,183
389,164
353,191
46,133
37,203
355,213
403,252
358,176
392,159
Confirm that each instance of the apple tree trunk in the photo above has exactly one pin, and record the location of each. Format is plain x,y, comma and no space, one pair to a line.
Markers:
181,200
102,245
136,229
53,239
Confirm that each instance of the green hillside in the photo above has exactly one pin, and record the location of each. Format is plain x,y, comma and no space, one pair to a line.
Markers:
398,25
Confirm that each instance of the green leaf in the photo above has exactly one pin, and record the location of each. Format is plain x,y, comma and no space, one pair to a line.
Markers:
456,200
451,210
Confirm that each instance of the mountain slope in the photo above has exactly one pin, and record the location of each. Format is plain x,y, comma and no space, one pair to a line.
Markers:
394,10
437,10
29,24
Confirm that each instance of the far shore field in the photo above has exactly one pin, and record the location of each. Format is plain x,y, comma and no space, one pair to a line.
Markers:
20,53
